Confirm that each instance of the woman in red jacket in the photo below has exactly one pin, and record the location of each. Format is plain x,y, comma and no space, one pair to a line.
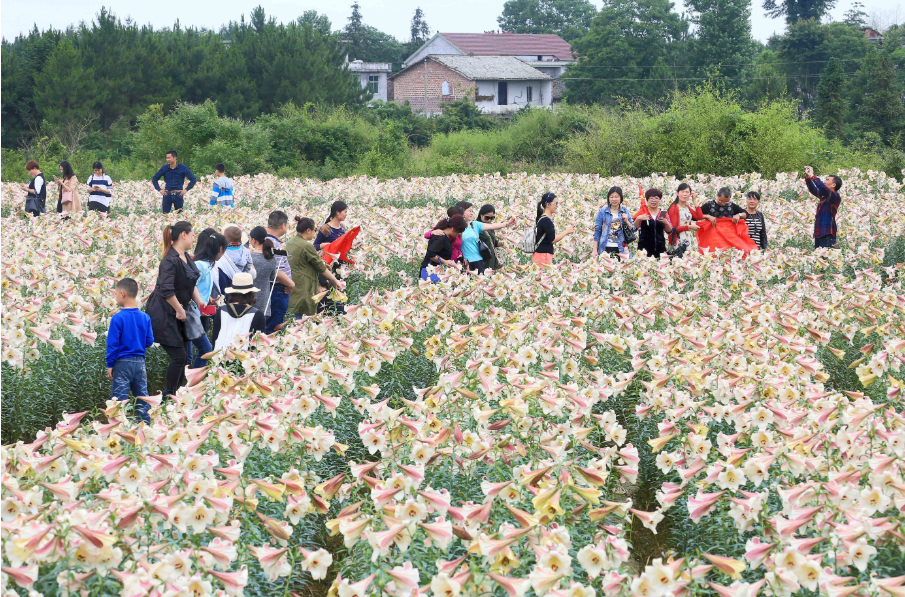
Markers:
682,216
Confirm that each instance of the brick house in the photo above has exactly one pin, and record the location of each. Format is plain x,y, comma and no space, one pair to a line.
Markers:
548,53
497,84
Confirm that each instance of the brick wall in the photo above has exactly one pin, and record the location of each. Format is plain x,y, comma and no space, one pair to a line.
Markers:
422,86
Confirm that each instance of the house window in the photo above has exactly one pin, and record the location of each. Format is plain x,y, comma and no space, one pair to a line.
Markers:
374,83
444,88
540,58
502,91
529,94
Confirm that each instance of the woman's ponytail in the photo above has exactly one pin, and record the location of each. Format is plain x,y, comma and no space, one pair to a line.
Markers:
545,200
172,232
267,249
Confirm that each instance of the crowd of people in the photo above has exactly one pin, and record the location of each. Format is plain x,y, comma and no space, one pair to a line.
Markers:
225,284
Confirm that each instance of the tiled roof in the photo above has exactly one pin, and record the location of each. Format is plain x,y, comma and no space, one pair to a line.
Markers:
484,68
511,44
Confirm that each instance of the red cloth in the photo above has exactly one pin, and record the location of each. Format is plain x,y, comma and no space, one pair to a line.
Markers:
725,235
340,246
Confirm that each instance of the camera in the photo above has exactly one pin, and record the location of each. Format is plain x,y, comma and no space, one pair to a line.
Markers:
281,252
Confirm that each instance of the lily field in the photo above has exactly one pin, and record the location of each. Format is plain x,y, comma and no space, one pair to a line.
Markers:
711,425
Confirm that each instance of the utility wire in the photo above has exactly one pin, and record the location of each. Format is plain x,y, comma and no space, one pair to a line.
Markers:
578,64
694,78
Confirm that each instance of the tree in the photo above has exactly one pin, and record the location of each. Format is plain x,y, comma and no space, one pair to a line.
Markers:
883,110
627,37
764,80
419,28
64,91
798,10
855,16
831,99
320,23
723,38
570,19
354,32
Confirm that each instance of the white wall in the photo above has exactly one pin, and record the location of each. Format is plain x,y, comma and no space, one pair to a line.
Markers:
541,95
381,84
533,57
438,46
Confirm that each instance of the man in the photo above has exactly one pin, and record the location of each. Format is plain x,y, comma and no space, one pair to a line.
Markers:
36,200
722,207
827,206
174,175
277,223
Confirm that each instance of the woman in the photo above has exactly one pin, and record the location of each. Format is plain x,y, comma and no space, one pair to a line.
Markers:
682,217
265,268
238,317
68,195
306,265
455,210
487,214
652,224
100,189
177,277
608,235
471,250
333,226
440,246
545,232
210,247
757,226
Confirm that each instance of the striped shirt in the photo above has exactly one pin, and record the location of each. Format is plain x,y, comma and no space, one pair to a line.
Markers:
102,182
282,262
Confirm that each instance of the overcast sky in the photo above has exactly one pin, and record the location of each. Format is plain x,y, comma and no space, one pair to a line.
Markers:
391,16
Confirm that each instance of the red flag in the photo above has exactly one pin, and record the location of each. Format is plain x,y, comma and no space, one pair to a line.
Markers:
725,235
340,247
643,209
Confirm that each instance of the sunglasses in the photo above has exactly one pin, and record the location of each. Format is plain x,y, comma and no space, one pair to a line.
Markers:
489,218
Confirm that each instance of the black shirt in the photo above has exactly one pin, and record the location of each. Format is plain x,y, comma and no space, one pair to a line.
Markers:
652,236
330,307
174,278
712,208
42,194
440,246
545,234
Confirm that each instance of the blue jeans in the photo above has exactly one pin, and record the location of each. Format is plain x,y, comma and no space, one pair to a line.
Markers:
129,374
171,201
279,304
828,242
434,278
203,344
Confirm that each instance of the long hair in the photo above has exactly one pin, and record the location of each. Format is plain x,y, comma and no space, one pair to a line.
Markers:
486,209
171,233
259,234
203,236
335,208
68,172
545,200
682,187
209,252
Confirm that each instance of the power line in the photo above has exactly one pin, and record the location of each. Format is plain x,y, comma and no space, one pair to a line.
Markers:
579,65
694,78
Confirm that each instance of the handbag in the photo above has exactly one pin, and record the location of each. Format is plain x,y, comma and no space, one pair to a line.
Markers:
66,197
33,204
193,327
207,310
628,232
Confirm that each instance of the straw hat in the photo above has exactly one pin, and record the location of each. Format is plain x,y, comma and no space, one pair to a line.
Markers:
242,283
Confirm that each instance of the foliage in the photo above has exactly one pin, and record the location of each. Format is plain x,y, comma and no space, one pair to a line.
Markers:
831,105
627,38
570,19
796,11
722,43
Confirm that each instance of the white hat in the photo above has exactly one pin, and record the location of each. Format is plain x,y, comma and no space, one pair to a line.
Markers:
242,283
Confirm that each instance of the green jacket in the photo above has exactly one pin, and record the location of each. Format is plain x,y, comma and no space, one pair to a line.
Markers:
488,237
305,265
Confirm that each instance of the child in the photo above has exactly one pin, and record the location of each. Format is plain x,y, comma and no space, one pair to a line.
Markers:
238,317
222,192
129,335
327,305
236,259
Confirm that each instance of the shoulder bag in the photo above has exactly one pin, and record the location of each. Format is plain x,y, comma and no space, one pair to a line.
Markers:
628,231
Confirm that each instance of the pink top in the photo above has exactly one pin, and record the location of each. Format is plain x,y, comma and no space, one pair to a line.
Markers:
456,244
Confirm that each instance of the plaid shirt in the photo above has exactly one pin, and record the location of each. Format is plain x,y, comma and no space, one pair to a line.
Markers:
825,221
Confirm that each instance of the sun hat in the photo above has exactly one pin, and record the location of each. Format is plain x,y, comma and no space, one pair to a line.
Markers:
242,284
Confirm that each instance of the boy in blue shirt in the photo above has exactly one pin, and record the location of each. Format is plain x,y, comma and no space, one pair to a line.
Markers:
222,191
129,335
